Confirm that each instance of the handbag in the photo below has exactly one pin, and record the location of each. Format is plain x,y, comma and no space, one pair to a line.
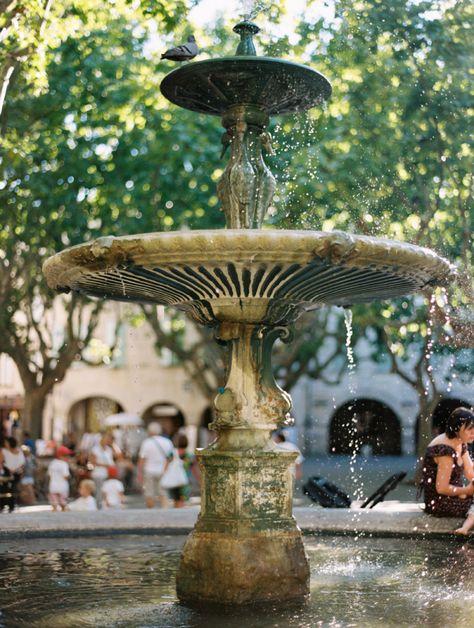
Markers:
174,475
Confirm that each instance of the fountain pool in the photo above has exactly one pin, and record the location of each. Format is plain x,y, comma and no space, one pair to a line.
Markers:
129,581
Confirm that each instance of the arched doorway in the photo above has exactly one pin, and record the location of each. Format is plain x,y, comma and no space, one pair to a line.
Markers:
87,414
365,423
167,414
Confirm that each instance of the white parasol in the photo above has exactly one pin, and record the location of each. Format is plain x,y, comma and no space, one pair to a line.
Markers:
122,419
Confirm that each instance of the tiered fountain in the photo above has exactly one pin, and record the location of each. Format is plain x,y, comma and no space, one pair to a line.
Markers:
250,286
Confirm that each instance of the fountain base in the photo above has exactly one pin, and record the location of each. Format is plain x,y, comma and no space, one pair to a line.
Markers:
245,568
246,546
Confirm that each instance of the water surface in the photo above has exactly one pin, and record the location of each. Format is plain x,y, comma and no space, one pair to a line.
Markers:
129,582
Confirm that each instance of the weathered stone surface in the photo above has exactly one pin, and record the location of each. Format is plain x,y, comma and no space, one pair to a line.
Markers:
248,276
236,569
245,491
245,536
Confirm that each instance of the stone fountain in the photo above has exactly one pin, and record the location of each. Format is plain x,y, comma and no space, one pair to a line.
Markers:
250,285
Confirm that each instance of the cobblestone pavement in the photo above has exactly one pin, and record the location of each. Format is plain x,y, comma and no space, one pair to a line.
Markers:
359,477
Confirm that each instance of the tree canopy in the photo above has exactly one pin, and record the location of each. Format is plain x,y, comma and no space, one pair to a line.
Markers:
90,147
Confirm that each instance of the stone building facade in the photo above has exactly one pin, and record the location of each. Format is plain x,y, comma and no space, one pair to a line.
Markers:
370,410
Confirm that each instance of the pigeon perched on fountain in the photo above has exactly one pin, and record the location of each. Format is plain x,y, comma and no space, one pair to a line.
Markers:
185,52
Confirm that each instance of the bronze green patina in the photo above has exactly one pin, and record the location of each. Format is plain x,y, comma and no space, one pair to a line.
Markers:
245,90
250,285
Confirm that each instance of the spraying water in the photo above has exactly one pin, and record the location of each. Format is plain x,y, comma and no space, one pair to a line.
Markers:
355,471
349,349
447,335
430,341
248,9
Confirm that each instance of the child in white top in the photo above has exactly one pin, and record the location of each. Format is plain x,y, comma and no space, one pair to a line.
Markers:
86,501
58,471
112,490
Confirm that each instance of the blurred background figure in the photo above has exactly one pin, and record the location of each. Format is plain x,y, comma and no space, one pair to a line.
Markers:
101,457
86,500
15,462
29,442
154,452
112,490
27,494
182,494
6,486
59,473
281,441
81,469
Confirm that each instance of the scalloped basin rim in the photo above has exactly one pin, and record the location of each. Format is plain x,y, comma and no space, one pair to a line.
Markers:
244,246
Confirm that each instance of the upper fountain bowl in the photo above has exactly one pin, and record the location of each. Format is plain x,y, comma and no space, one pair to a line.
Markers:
216,85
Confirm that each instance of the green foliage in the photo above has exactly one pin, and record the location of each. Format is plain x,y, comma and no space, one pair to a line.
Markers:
395,152
391,155
82,159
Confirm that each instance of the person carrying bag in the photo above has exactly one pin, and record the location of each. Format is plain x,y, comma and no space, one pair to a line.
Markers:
174,475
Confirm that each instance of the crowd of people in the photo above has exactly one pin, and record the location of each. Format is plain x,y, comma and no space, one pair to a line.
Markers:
103,469
98,474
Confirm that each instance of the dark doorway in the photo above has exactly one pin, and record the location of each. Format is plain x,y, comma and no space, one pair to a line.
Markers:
365,423
167,414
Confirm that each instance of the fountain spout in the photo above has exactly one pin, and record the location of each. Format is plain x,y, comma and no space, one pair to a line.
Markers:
246,30
245,90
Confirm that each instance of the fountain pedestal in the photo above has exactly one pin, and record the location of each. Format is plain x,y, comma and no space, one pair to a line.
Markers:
246,536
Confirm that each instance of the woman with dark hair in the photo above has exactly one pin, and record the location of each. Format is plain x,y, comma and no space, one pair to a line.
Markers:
446,465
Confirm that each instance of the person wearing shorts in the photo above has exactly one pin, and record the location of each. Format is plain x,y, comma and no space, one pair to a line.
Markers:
153,457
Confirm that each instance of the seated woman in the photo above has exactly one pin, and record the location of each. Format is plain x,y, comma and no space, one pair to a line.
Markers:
446,465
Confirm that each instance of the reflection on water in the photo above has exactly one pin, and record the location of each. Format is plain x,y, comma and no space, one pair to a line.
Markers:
129,582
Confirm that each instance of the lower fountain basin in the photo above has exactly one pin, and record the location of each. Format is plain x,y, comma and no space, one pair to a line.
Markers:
124,582
269,276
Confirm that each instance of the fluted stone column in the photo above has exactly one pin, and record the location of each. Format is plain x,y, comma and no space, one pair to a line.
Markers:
246,546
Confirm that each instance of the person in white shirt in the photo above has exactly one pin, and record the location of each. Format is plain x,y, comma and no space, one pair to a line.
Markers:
102,458
58,472
112,490
285,445
86,501
155,453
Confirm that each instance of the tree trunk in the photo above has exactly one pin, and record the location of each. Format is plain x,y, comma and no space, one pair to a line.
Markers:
425,428
32,415
4,82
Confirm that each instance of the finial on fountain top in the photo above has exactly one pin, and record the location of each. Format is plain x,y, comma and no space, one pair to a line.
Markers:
246,30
